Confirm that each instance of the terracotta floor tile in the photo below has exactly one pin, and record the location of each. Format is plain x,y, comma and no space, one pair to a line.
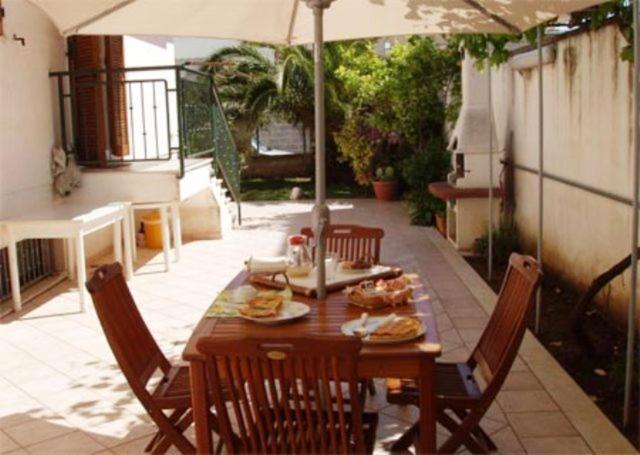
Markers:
537,424
7,444
521,380
566,444
526,400
71,443
65,381
38,430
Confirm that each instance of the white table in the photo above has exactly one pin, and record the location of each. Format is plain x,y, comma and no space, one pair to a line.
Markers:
72,222
163,208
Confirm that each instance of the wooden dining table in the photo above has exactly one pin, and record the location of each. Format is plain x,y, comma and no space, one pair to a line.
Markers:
412,359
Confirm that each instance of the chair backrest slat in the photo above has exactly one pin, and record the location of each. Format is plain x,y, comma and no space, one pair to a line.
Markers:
501,339
133,346
285,396
351,242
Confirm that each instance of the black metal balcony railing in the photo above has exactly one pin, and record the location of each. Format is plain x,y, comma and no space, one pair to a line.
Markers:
171,112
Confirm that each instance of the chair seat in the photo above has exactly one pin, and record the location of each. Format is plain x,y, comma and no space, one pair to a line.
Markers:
174,389
455,387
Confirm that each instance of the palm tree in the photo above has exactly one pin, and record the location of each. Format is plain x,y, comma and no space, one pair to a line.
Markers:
253,87
246,79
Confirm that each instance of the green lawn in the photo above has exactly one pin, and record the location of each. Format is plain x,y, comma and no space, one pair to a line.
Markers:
280,189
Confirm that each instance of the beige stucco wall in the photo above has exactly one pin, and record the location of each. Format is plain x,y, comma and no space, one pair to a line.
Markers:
588,139
28,109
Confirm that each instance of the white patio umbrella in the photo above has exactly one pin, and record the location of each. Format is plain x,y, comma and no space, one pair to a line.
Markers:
291,22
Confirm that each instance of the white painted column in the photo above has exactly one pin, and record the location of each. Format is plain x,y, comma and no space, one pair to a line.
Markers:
71,268
164,223
128,247
117,241
177,229
133,232
81,270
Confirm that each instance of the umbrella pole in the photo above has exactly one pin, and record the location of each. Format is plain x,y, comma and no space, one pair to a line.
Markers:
321,214
631,317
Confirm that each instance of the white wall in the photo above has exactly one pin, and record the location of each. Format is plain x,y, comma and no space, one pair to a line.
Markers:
28,104
588,139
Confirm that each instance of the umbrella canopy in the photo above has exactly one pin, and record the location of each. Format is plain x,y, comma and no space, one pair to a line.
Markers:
289,22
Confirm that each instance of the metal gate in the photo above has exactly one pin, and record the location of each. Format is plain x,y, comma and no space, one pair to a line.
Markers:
35,262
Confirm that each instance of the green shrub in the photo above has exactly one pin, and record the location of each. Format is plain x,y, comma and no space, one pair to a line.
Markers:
418,171
505,242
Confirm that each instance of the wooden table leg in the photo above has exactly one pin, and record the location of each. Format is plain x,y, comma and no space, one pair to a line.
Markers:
14,272
200,404
426,384
166,241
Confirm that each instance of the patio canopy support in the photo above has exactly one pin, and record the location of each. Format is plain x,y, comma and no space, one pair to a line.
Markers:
631,317
540,172
321,215
490,129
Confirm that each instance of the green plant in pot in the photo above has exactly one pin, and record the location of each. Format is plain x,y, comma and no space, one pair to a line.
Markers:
385,184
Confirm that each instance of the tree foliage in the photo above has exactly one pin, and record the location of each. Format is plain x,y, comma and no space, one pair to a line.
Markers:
493,48
398,112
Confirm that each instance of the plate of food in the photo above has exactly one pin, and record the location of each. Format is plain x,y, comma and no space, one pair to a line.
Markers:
380,293
272,308
361,265
384,329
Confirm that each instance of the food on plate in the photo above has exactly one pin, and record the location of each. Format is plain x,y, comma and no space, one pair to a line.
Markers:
262,306
299,271
380,293
397,328
360,264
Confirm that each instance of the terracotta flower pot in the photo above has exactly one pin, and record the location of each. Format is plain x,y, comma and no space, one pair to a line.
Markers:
385,191
441,224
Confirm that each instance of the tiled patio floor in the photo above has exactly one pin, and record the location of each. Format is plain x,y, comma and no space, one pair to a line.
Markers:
61,392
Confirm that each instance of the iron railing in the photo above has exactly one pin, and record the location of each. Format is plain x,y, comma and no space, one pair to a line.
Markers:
172,111
206,126
35,263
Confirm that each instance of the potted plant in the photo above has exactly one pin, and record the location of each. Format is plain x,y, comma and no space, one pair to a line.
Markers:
385,184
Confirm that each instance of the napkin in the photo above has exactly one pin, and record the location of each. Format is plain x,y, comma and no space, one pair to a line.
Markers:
266,264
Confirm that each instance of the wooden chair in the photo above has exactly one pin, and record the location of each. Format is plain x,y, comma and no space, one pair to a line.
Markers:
457,389
351,242
283,395
139,357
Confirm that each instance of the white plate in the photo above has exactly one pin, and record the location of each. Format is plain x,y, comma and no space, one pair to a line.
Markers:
372,324
288,312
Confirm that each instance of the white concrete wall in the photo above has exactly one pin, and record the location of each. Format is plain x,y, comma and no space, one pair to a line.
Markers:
28,104
588,139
